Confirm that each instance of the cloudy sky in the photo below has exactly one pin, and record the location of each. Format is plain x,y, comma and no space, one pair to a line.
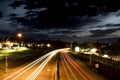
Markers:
69,20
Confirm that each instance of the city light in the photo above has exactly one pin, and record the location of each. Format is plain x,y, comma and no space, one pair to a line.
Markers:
77,49
93,50
19,35
48,45
105,56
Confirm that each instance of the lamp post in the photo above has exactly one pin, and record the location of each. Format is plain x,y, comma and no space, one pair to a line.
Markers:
93,50
6,57
6,62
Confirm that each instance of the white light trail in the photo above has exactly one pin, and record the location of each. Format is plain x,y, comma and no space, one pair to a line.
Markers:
34,74
47,57
28,66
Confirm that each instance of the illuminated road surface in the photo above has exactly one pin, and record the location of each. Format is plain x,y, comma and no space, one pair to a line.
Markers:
32,70
72,69
45,68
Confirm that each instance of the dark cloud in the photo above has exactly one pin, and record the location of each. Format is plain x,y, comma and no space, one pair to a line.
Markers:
5,32
67,19
37,36
13,15
16,4
57,12
1,14
110,25
101,33
60,31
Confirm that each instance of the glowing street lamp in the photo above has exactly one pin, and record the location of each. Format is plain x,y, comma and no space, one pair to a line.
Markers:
48,45
9,44
77,49
19,35
92,51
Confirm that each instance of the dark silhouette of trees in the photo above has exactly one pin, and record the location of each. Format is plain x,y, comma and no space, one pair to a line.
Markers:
11,38
118,41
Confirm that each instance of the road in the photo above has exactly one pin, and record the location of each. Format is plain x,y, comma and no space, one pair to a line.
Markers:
52,67
72,69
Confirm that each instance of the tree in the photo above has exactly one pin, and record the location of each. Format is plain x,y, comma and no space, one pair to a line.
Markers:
11,38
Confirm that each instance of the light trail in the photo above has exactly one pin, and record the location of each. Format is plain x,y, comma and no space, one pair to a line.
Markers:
24,69
65,68
36,72
64,62
78,69
30,67
70,67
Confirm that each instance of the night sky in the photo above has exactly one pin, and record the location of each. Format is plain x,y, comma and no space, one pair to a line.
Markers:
69,20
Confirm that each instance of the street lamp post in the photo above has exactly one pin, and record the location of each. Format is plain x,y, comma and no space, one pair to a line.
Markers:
6,56
6,62
93,50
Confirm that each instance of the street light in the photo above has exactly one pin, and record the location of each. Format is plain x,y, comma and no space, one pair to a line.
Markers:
19,35
6,57
92,51
6,62
77,49
48,45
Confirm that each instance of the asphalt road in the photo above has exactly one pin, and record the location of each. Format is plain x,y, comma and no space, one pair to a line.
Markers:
72,69
52,68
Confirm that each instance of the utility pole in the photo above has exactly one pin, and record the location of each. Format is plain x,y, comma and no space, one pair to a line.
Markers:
90,59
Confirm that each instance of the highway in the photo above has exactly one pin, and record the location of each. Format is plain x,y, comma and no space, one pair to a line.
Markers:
72,69
52,67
